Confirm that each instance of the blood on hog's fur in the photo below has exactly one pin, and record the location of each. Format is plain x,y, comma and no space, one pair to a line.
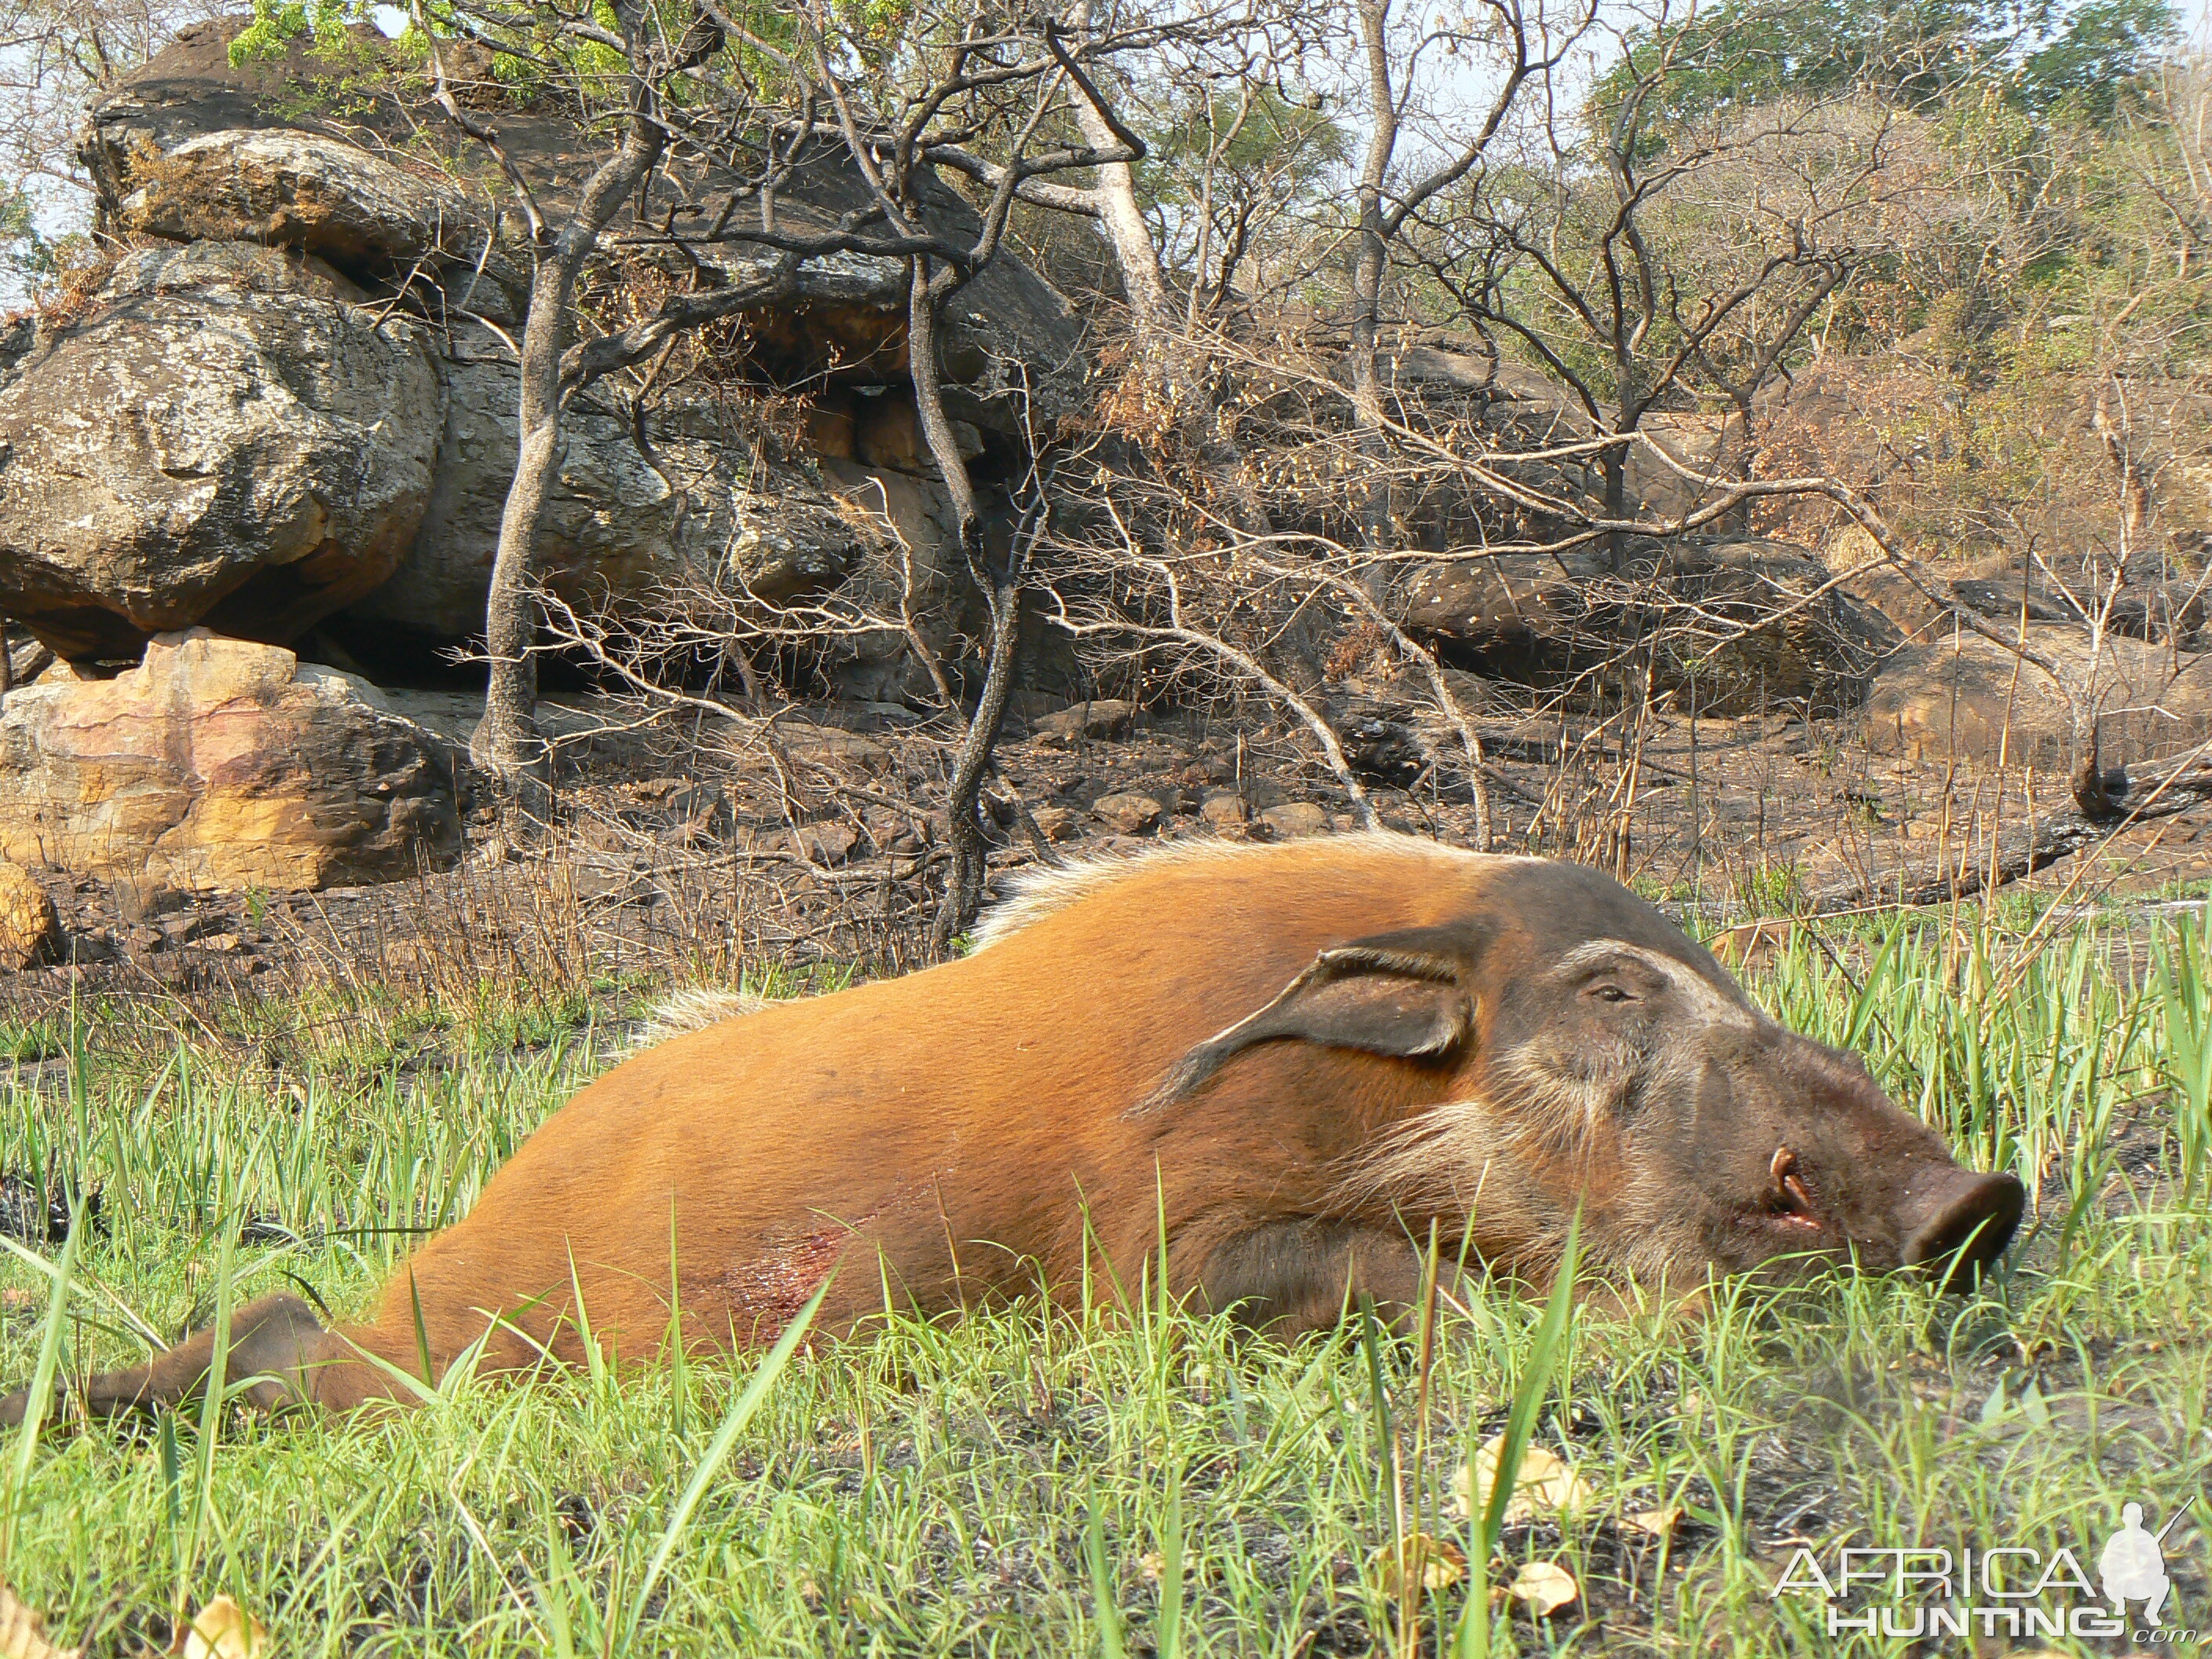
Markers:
1288,1062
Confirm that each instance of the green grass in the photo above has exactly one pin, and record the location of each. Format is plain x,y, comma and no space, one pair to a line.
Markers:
1021,1483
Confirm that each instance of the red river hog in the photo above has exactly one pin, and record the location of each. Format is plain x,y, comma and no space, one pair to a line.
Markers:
1286,1061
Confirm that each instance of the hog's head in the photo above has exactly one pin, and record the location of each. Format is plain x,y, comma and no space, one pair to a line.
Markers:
1596,1058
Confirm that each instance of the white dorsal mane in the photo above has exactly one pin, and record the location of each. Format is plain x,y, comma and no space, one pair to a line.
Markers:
1040,891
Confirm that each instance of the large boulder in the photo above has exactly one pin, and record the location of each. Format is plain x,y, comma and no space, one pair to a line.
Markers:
1743,625
1010,346
1707,445
1737,625
1926,601
1521,617
218,436
1969,698
1913,596
30,928
365,213
191,86
221,764
1526,409
914,566
626,522
915,575
285,150
386,194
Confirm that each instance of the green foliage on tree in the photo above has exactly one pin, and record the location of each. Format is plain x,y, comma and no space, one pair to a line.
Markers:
277,23
2049,57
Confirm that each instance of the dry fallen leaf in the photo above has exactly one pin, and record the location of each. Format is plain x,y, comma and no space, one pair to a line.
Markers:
1417,1562
23,1635
1151,1564
1545,1586
1546,1485
1653,1523
223,1629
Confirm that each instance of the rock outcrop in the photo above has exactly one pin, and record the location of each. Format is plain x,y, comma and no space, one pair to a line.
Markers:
625,521
1971,699
219,764
1912,598
219,436
1738,624
363,212
194,145
1530,410
1518,615
30,928
1749,624
327,256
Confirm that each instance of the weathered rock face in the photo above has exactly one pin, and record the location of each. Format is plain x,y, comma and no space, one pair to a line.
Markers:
1904,602
1926,601
1710,446
911,532
1522,617
622,522
194,145
240,157
364,213
30,930
1530,410
1741,624
218,438
219,763
1010,348
1749,623
1971,699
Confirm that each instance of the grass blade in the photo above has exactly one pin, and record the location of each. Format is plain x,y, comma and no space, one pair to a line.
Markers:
41,1391
1489,1520
718,1449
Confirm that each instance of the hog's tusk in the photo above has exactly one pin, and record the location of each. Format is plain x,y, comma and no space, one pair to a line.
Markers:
1789,1189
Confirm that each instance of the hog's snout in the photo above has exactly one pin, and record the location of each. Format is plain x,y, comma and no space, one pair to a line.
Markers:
1957,1222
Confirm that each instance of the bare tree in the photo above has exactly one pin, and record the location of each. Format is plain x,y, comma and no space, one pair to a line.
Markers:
1650,265
650,62
56,57
711,122
1528,46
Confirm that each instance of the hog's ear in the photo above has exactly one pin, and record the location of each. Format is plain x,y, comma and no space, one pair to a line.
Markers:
1403,994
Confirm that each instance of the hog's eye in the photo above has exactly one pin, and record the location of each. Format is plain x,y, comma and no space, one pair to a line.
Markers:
1609,993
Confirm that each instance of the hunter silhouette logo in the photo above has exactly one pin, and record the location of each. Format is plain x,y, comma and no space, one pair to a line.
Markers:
2133,1565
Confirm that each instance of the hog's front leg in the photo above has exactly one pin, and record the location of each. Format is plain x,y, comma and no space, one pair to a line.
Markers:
1297,1275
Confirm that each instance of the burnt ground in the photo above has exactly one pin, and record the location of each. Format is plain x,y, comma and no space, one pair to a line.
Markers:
685,851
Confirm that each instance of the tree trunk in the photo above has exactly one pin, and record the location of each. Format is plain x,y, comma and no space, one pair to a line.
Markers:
1177,370
1367,271
1373,492
506,742
1616,505
1122,222
964,885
